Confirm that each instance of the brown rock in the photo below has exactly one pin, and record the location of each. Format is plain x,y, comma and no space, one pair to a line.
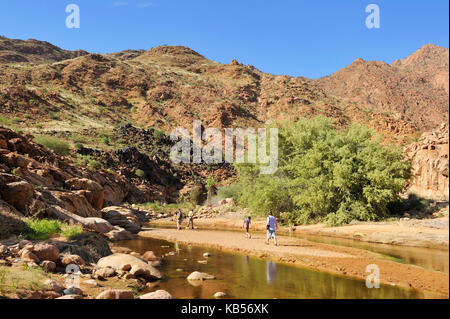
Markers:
27,255
48,266
46,252
17,194
105,272
159,294
92,190
72,259
150,256
116,294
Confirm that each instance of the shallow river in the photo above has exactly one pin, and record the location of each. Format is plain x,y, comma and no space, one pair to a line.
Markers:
241,276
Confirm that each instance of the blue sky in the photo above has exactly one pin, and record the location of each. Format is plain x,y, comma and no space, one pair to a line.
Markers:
294,37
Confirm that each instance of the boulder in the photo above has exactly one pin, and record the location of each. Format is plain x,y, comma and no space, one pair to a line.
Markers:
119,234
150,256
98,225
196,275
75,203
46,252
3,249
17,194
24,243
54,285
159,294
116,294
72,259
73,291
27,255
92,190
48,266
219,294
140,267
122,217
104,272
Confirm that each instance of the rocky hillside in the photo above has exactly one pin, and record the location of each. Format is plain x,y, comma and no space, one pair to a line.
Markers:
13,51
83,98
413,92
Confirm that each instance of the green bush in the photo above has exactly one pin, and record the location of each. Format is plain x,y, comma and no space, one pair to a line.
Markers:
53,143
327,175
41,229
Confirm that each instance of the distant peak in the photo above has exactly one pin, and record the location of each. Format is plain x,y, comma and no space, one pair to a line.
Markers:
172,50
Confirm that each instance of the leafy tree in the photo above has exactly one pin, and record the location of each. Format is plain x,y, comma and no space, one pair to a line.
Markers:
327,175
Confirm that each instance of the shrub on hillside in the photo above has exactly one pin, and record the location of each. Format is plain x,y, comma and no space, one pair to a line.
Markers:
55,144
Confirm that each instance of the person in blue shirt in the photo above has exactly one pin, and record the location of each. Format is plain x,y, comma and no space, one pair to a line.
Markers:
272,226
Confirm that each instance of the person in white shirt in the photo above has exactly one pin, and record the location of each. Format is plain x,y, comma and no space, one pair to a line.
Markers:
272,226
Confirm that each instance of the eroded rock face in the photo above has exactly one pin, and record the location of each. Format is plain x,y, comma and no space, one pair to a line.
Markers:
93,191
430,163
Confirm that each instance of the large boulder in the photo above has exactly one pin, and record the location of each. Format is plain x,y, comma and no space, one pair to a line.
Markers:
122,217
116,294
90,189
196,275
159,294
76,204
17,194
72,260
138,266
46,251
119,234
98,225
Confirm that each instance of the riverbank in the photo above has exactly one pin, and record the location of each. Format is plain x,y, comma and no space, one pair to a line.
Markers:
426,233
344,261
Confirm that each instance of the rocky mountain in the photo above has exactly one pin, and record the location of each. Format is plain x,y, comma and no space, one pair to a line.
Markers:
31,50
413,91
83,98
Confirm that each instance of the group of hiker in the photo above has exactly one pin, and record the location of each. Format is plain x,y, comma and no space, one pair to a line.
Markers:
271,225
179,219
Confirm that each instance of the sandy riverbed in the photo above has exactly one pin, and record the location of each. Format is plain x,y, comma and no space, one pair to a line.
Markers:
346,261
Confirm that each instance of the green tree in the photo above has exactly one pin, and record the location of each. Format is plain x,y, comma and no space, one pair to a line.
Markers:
327,175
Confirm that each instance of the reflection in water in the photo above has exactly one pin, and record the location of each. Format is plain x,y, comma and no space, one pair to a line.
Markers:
271,271
247,277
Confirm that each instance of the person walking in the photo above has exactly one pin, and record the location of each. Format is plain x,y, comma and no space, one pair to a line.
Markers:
247,223
179,218
190,220
272,226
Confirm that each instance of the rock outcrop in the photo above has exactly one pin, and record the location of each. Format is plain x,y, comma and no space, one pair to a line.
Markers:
430,163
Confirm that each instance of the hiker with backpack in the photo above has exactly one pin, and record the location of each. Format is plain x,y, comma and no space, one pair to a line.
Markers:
179,218
272,226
